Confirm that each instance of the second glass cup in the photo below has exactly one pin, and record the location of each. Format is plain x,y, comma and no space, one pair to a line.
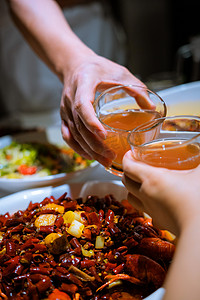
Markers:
122,108
170,142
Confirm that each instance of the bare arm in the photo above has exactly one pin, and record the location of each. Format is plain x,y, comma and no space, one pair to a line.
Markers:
182,282
45,28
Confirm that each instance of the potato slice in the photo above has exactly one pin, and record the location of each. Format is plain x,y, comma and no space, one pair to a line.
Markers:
45,220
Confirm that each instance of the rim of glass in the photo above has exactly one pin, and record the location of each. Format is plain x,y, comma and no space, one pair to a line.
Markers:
124,86
159,121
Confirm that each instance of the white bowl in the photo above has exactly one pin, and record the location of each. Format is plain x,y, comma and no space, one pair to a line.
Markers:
51,135
20,201
182,99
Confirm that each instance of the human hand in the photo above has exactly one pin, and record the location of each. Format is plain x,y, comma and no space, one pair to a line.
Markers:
170,197
80,127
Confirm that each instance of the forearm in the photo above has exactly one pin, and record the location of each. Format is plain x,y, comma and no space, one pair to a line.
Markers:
44,27
183,278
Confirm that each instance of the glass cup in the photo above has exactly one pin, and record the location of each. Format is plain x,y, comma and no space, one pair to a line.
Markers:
118,110
169,142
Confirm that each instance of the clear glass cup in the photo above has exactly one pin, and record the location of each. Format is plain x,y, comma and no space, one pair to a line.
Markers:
169,142
119,111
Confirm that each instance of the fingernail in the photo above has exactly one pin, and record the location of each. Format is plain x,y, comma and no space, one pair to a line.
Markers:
109,153
100,134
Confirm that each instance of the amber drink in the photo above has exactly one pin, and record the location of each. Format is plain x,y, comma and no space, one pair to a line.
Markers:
176,149
119,112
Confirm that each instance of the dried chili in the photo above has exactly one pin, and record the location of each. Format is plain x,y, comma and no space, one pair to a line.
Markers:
110,252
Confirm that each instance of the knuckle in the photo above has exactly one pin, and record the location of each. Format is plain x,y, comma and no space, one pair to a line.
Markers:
77,105
78,127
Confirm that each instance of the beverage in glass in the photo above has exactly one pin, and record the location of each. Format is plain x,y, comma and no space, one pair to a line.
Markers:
118,110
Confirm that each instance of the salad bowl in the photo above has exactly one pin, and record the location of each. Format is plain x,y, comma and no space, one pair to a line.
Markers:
39,158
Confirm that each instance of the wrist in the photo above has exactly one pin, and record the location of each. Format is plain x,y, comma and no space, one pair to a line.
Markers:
74,56
191,225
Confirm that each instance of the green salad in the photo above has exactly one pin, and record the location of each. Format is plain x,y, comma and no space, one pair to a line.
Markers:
19,160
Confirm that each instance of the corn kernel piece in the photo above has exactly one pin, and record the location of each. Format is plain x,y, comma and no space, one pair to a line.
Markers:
68,217
51,237
55,207
76,229
45,220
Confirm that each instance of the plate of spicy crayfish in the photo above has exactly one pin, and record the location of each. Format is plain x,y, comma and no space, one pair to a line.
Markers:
92,246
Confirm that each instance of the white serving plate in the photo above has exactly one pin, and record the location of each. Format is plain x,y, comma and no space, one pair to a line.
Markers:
182,99
20,201
53,136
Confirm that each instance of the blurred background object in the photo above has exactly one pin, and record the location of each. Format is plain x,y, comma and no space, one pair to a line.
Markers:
158,35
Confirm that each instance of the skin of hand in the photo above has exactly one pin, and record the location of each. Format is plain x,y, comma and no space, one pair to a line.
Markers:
81,71
170,197
80,127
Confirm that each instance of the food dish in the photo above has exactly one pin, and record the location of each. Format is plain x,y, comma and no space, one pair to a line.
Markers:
22,199
182,99
50,135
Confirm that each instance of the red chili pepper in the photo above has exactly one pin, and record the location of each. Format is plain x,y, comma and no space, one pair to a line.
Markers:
17,228
75,243
68,261
40,270
47,229
58,295
87,263
46,200
109,217
33,206
44,284
62,197
10,248
118,269
87,234
93,218
94,273
59,222
71,205
27,170
29,243
110,266
69,288
101,215
39,247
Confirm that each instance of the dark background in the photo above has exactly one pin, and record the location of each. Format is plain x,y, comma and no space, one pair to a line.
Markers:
155,30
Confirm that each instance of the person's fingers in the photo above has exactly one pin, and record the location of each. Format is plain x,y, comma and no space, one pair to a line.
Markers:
135,89
132,186
139,171
72,135
71,142
85,151
92,141
84,98
141,96
79,137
